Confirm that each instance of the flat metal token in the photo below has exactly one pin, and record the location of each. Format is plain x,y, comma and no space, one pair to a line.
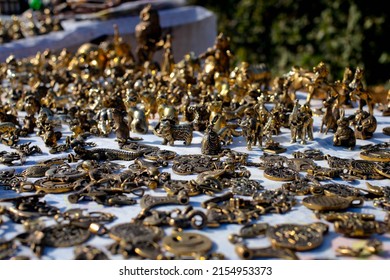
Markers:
243,186
331,203
297,237
364,168
191,164
65,236
173,187
187,244
341,190
52,186
386,130
135,232
383,169
280,173
160,154
381,155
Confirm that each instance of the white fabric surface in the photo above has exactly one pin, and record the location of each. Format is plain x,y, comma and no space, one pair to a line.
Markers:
219,236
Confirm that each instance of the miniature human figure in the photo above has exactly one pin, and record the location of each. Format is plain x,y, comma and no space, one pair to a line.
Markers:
148,34
222,54
294,121
168,59
365,125
307,121
251,129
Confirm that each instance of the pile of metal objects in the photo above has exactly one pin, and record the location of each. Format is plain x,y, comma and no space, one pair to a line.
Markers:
107,92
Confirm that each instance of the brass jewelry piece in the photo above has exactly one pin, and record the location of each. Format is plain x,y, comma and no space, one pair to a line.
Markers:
297,237
280,174
187,244
371,247
135,232
331,203
356,225
64,236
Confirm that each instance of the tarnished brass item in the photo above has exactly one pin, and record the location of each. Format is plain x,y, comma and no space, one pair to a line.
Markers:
148,201
280,174
64,235
331,203
297,237
89,252
171,132
356,225
371,247
135,232
344,135
246,253
187,243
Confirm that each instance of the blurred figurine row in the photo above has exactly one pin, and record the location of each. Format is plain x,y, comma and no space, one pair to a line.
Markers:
29,25
105,88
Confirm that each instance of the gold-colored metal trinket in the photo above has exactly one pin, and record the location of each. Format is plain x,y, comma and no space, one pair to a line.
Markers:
297,237
67,235
246,253
386,130
381,155
369,248
135,232
187,243
280,174
331,203
356,225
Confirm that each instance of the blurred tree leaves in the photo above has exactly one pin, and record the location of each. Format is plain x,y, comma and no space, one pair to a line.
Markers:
284,33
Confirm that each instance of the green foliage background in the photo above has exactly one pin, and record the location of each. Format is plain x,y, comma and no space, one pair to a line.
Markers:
284,33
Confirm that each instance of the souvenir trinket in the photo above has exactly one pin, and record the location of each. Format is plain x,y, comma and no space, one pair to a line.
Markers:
344,135
297,237
67,235
383,169
280,174
135,232
371,247
187,243
331,203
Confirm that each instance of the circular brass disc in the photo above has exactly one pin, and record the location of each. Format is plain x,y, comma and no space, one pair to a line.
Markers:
279,174
187,244
330,203
381,155
134,232
383,169
297,237
65,236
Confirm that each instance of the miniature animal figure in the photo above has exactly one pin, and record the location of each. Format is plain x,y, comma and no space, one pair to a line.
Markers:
344,135
332,114
211,142
365,125
170,132
122,130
